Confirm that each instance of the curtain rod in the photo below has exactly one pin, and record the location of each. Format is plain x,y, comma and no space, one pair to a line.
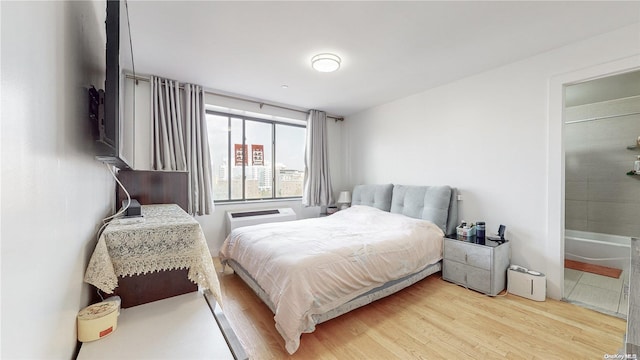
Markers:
260,103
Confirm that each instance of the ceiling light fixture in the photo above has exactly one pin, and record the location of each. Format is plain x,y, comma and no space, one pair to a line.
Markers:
326,62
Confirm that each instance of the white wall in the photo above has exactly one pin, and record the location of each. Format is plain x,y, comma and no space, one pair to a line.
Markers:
487,135
54,193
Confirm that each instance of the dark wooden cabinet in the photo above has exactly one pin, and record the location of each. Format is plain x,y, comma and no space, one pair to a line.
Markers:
144,288
154,187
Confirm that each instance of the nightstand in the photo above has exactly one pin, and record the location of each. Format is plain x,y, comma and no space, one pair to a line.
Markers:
478,265
329,211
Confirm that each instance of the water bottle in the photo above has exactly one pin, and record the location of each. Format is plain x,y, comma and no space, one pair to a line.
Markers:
480,230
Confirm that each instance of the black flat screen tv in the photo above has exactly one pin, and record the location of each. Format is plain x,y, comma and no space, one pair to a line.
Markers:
115,126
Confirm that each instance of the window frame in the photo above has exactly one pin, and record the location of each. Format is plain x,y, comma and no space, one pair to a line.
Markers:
244,118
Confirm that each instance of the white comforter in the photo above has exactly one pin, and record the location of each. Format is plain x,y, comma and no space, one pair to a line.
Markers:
311,266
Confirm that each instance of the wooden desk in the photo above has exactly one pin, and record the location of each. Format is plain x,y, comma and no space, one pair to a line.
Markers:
137,260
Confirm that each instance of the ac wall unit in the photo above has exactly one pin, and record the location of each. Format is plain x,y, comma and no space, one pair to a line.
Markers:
236,219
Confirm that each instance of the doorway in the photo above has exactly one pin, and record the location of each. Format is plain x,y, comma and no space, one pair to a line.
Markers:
601,141
555,246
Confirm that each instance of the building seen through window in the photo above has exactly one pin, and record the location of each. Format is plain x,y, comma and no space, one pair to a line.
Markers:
255,158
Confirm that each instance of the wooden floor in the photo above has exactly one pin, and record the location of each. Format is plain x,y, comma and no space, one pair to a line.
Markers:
432,319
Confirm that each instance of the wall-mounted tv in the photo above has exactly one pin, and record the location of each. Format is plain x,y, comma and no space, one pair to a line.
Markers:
115,131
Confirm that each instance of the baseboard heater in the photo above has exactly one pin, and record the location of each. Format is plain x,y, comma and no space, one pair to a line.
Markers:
236,219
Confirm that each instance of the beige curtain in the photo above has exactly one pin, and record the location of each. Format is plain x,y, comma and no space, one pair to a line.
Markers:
180,139
168,137
198,156
317,181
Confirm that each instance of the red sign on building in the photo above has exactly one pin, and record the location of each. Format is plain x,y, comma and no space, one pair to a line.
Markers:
239,154
257,152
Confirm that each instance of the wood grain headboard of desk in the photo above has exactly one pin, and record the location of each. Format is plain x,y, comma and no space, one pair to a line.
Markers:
154,187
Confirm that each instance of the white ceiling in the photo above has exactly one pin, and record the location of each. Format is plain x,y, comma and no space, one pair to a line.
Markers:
389,50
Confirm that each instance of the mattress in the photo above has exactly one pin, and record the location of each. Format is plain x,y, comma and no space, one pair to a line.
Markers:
310,267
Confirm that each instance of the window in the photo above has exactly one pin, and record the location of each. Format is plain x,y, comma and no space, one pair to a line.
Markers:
255,159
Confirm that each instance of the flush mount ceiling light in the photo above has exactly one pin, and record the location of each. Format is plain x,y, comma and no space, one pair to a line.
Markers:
326,62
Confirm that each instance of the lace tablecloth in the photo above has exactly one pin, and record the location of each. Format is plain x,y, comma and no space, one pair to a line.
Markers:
167,238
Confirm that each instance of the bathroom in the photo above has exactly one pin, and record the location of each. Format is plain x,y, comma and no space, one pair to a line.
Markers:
602,192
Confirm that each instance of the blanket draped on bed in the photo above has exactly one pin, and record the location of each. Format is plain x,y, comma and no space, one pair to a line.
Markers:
311,266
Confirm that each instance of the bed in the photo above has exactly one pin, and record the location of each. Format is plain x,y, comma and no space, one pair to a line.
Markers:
313,270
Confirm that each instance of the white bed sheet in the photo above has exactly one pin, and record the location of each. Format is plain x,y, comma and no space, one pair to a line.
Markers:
311,266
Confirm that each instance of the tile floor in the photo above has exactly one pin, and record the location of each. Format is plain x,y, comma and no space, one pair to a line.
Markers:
601,293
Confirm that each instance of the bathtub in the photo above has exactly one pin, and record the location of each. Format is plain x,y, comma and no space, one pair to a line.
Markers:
600,249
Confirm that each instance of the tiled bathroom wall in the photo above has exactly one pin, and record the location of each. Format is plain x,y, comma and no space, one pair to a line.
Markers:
599,196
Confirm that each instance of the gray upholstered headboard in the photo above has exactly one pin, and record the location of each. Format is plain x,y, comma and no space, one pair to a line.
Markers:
437,204
377,196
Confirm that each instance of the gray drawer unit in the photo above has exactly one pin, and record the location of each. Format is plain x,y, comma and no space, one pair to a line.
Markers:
476,256
481,266
469,276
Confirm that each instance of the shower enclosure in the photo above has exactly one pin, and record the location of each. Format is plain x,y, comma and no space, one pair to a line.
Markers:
602,202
